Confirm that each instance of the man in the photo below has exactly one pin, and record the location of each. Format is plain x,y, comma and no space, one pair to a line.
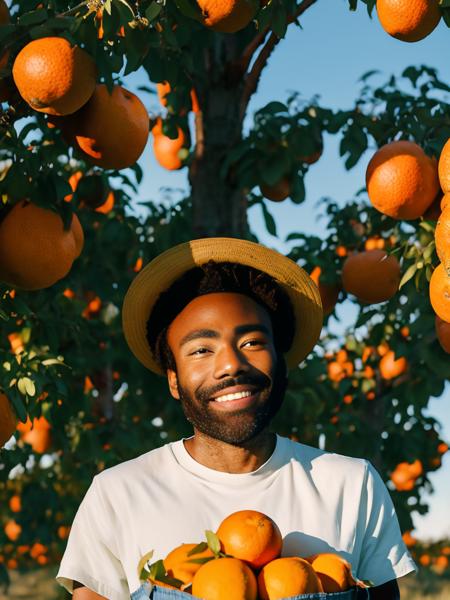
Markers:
224,319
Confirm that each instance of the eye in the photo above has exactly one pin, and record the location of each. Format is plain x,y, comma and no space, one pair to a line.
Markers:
199,351
255,342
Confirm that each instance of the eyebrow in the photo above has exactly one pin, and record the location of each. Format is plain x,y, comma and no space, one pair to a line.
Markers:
212,334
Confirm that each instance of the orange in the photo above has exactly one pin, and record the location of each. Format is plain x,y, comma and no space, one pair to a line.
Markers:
329,293
434,210
54,77
167,150
225,579
440,564
443,333
8,420
405,474
35,249
442,448
402,181
408,20
371,276
338,371
251,536
440,293
16,342
111,130
374,243
12,530
367,353
409,539
162,90
37,549
227,16
180,566
444,167
107,205
286,577
73,182
442,237
93,306
92,192
425,560
334,572
444,200
63,531
277,192
37,435
390,367
15,503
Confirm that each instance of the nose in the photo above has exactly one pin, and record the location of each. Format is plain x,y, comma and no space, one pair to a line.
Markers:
230,362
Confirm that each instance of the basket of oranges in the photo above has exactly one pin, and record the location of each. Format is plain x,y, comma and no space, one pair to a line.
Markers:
242,561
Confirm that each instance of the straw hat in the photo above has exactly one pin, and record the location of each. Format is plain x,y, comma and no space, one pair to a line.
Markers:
166,268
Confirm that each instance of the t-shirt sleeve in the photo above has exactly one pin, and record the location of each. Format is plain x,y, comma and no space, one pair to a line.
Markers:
91,555
383,555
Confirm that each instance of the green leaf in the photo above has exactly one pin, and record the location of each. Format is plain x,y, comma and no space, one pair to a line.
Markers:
189,9
409,274
279,22
26,386
427,226
269,220
33,18
198,549
157,570
153,11
273,108
298,192
201,561
213,542
19,406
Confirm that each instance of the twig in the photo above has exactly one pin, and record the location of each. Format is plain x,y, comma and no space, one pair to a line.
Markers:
254,75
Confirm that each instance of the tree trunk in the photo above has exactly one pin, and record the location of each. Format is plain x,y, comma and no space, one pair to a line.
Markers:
219,206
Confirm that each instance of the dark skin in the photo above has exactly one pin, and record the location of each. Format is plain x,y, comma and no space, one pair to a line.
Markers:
221,339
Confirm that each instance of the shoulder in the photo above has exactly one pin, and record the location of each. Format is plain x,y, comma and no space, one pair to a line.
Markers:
129,471
321,461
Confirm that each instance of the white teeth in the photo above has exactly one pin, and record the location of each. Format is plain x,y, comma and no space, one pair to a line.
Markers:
235,396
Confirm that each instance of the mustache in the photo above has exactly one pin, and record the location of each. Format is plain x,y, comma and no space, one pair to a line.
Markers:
259,381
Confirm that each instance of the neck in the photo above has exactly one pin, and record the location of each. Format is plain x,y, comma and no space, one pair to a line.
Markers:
229,458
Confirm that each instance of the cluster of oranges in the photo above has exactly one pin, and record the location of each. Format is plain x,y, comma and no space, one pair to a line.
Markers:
16,553
241,561
405,184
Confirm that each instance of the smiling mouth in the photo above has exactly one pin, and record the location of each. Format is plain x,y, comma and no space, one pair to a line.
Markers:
235,396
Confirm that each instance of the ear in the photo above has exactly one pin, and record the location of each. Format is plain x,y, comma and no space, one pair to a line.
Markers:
172,380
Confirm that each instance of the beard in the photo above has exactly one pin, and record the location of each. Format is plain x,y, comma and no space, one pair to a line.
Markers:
239,426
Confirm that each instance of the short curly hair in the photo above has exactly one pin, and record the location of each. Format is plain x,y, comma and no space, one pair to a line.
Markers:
213,277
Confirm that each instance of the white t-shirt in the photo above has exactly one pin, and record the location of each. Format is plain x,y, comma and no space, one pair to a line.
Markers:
322,502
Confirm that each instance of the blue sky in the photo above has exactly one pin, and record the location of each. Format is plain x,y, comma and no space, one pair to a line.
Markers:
327,57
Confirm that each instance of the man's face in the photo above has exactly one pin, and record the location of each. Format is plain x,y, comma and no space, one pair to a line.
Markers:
228,378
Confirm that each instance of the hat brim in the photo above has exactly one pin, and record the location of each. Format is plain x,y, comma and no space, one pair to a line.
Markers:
166,268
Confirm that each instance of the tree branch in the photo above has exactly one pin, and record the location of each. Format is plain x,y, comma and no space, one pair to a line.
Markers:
253,77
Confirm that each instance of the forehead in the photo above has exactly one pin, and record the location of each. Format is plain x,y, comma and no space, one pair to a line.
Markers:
219,311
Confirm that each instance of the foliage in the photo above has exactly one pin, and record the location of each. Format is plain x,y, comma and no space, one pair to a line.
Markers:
73,366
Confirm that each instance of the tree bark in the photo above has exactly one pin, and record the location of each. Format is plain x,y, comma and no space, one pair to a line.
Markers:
219,206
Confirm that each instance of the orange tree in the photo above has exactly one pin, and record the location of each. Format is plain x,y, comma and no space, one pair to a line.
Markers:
71,395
